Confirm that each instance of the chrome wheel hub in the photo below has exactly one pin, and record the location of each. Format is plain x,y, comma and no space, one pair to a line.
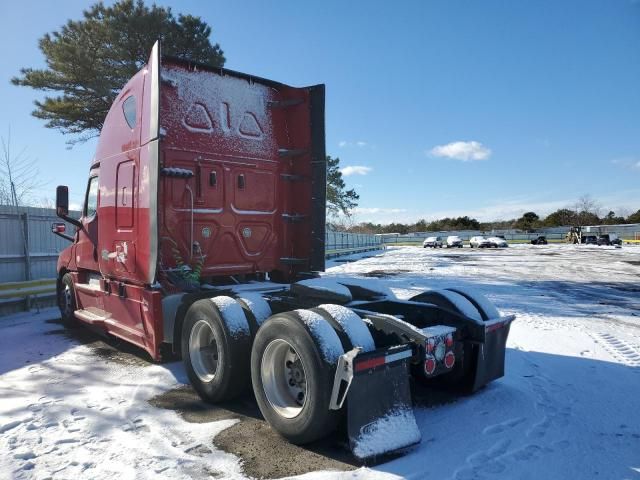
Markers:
283,378
203,351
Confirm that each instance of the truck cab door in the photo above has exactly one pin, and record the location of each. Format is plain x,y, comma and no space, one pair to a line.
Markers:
87,244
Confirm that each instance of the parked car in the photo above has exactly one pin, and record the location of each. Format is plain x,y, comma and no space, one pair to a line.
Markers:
433,242
609,239
454,241
497,242
479,242
541,240
590,239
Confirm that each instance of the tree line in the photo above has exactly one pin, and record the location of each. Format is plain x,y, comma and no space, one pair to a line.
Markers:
585,212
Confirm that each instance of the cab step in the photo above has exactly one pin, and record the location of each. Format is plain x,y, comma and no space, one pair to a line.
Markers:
94,316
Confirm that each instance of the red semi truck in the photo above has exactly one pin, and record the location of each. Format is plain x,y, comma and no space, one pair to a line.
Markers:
201,235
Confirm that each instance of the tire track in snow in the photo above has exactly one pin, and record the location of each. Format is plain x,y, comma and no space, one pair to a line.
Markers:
625,352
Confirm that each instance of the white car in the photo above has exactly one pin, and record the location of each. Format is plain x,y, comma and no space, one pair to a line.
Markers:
479,242
497,242
433,242
454,241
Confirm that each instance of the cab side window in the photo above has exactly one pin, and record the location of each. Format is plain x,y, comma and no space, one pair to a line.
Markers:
129,110
91,201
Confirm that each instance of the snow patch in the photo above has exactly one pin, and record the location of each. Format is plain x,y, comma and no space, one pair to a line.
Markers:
327,286
233,315
462,304
484,303
369,284
258,306
353,326
204,106
327,338
438,331
397,429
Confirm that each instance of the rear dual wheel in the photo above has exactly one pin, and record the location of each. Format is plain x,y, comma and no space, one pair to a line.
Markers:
215,352
292,376
293,364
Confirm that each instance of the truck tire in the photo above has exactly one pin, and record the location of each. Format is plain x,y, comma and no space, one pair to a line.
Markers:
293,363
256,310
216,343
67,299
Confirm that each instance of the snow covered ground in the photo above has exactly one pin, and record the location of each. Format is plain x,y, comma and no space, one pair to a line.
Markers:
568,406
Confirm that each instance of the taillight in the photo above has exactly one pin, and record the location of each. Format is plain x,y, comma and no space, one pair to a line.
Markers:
429,365
449,359
439,349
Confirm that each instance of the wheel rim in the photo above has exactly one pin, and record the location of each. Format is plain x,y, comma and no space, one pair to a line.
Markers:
283,378
203,351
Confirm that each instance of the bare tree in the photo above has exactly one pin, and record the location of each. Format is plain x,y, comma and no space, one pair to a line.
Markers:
587,210
587,204
19,175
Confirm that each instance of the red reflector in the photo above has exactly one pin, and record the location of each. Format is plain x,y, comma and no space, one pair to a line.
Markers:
449,340
430,344
494,327
449,359
429,365
371,363
61,228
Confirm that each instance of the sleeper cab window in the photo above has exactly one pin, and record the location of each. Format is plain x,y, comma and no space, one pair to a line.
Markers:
129,110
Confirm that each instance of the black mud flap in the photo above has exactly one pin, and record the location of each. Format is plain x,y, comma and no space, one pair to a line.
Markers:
380,416
491,353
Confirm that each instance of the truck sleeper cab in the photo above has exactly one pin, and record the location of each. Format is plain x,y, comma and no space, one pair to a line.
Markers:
207,188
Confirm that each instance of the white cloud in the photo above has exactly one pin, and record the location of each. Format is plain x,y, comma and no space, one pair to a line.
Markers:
377,210
632,163
465,151
347,143
355,170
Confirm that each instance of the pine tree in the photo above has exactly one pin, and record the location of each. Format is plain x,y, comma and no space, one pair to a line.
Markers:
634,217
90,60
339,200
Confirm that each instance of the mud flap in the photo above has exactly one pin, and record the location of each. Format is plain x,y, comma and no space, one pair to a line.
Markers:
380,416
491,353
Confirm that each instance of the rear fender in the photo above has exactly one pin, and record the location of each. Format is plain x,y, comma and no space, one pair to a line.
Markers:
174,309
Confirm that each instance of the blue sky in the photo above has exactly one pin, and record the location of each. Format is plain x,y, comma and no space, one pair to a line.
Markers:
485,108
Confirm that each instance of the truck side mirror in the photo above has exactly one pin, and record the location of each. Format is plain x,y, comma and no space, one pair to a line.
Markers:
62,201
